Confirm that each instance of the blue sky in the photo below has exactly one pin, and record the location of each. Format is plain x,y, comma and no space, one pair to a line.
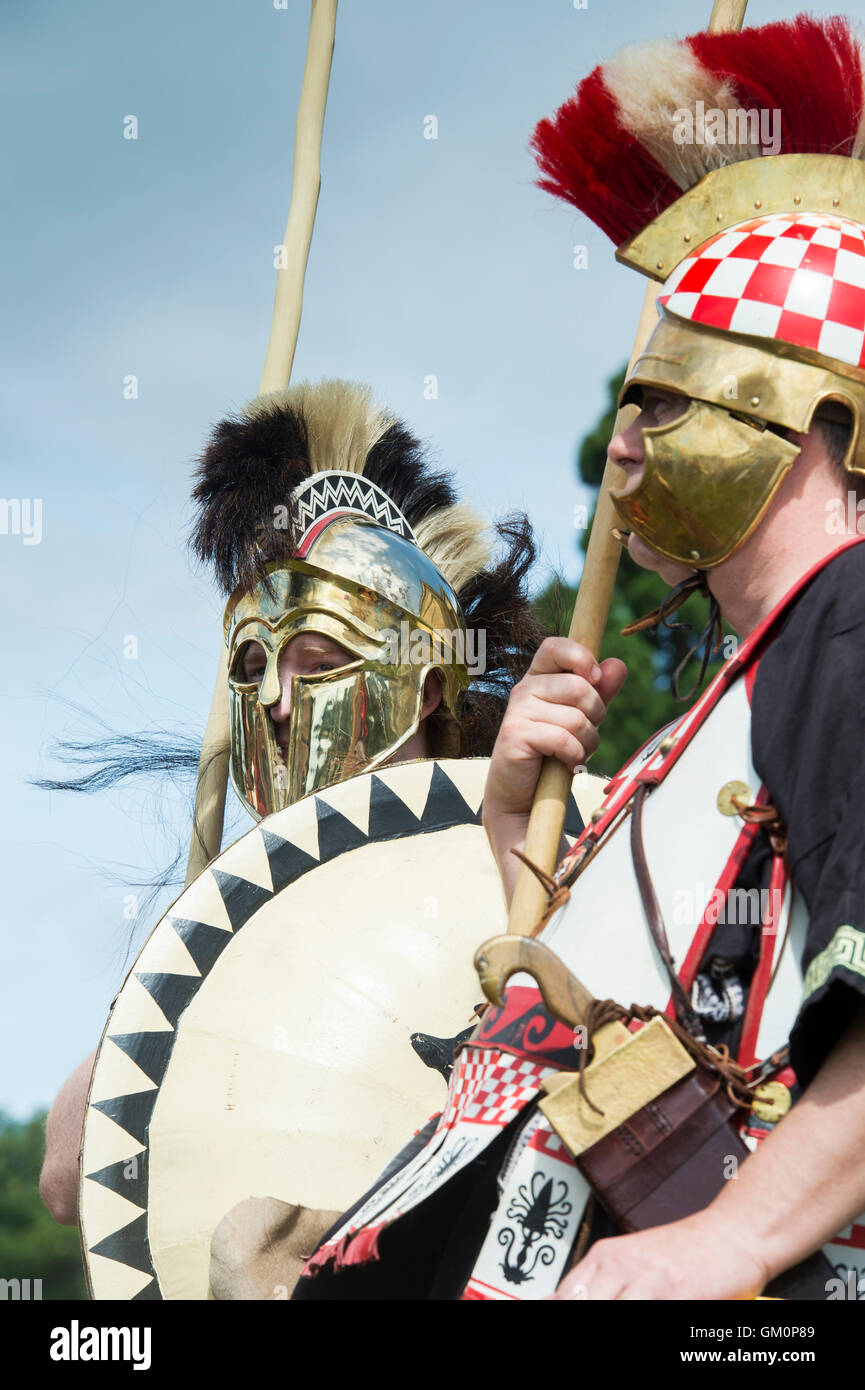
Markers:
153,258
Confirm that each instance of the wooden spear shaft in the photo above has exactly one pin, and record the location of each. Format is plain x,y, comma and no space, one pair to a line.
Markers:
294,252
305,184
589,619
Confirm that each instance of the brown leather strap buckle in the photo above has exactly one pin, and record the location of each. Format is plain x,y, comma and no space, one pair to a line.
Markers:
766,816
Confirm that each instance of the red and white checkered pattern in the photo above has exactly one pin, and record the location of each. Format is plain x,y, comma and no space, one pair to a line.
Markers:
546,1141
797,278
490,1088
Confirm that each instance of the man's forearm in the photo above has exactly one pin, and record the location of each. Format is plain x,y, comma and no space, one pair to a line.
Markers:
58,1182
506,833
806,1181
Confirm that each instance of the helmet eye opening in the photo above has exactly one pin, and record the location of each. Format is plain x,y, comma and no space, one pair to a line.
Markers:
249,664
659,405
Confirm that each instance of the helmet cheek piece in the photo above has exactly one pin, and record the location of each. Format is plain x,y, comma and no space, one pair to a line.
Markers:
341,723
711,473
354,718
348,722
708,479
258,772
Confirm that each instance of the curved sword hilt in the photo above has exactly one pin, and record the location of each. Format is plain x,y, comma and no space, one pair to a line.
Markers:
502,956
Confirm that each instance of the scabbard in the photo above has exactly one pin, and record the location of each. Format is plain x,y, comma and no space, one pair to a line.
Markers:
671,1158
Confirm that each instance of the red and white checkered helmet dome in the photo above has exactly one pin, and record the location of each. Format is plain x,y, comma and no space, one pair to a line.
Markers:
796,278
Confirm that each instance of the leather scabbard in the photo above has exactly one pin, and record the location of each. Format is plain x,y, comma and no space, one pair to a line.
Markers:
671,1159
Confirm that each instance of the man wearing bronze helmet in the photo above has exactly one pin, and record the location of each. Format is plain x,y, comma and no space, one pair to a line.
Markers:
368,620
721,884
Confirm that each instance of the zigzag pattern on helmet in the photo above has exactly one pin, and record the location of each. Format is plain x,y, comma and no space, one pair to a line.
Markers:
324,493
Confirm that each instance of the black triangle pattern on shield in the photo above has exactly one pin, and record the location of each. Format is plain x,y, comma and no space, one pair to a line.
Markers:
574,823
171,992
445,804
128,1246
336,833
149,1051
241,897
128,1177
389,818
387,813
132,1113
204,943
286,861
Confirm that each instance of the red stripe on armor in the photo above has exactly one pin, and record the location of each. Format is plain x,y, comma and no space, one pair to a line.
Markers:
729,874
318,526
623,771
750,678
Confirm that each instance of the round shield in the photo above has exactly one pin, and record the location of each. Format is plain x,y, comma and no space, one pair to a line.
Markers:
277,1036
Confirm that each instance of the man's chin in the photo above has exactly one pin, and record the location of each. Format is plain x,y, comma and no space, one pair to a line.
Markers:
643,555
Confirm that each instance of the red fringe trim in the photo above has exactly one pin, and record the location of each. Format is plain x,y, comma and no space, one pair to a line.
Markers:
357,1248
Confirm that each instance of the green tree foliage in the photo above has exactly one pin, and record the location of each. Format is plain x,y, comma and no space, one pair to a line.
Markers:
646,702
32,1245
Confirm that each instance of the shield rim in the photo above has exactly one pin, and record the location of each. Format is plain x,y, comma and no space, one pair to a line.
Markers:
445,807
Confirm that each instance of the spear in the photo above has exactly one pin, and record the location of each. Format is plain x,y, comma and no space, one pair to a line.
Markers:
591,611
294,253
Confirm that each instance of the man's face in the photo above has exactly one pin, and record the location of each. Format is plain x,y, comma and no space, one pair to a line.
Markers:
307,654
657,408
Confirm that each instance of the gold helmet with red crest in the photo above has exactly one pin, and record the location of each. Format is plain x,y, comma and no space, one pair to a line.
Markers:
729,167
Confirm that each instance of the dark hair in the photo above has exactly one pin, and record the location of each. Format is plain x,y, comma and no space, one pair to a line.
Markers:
836,436
496,602
160,758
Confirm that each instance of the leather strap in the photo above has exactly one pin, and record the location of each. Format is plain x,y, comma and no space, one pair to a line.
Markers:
652,909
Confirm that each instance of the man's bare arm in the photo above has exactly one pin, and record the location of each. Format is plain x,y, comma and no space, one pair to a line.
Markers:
813,1159
58,1182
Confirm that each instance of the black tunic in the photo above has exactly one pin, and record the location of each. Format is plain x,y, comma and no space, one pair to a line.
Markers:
808,746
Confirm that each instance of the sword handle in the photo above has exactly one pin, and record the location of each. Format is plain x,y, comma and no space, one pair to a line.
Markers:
565,997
